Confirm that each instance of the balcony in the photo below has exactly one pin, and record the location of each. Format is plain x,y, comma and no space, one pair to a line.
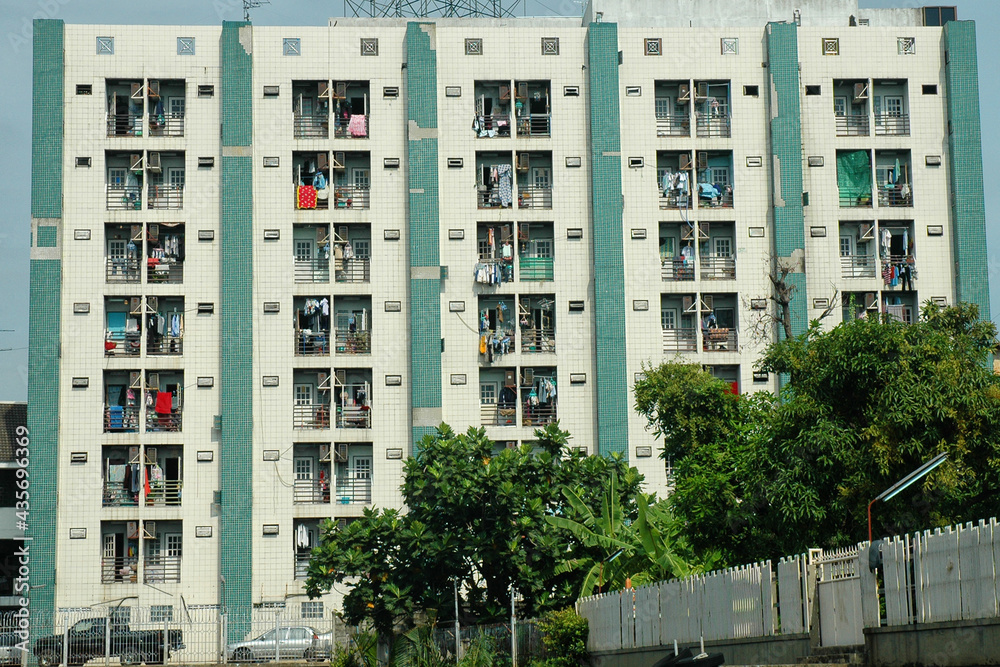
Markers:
892,174
122,197
711,104
673,125
311,126
162,422
534,125
351,126
673,175
536,269
717,267
353,342
311,491
494,180
351,196
354,270
122,343
534,196
719,340
892,125
852,126
158,569
673,269
312,326
123,326
895,195
166,124
891,106
538,339
164,493
166,104
536,321
857,266
312,270
121,419
165,196
117,491
119,569
714,124
491,125
354,486
167,337
312,343
531,108
354,416
491,414
854,179
121,270
538,396
680,340
352,398
311,416
126,124
302,558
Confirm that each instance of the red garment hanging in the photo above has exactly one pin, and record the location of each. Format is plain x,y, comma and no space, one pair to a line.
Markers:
164,402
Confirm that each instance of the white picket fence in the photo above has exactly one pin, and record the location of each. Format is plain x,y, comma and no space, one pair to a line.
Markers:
942,575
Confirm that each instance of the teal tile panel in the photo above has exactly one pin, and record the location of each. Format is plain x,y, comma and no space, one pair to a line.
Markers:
237,83
966,166
46,236
609,270
47,118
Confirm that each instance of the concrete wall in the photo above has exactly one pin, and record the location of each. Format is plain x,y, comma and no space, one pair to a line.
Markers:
949,644
784,650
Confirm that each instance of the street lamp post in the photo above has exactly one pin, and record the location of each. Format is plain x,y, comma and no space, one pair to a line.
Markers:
902,484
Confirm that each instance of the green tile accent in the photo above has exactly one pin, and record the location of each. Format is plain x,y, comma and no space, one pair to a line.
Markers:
786,153
609,270
236,385
46,236
424,221
966,166
44,317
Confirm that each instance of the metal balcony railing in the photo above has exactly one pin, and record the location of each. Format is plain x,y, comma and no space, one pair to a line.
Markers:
164,492
165,196
122,270
124,197
354,270
714,125
533,196
355,126
115,495
124,125
352,489
311,416
676,269
718,268
166,125
490,198
491,414
302,557
350,196
312,343
119,569
161,569
673,125
674,199
892,125
534,125
857,266
724,199
538,340
122,343
165,345
855,201
119,419
353,416
852,126
720,340
680,340
162,422
496,125
536,268
312,270
314,126
893,196
538,415
353,342
165,272
311,491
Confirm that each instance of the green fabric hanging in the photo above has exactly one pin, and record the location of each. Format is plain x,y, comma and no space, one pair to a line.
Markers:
854,176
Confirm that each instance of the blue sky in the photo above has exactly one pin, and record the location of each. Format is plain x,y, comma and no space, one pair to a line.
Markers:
15,121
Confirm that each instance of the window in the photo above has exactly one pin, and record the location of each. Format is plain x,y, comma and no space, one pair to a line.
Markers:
362,248
175,106
751,91
718,175
840,106
667,247
726,317
303,468
158,613
541,177
84,89
175,176
362,467
893,106
291,46
668,318
303,250
304,394
312,609
722,246
116,177
814,90
361,178
930,89
487,393
846,246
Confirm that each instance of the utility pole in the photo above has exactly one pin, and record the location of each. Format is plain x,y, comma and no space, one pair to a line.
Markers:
513,629
458,629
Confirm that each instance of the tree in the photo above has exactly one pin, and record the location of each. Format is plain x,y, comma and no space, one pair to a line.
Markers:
865,403
475,515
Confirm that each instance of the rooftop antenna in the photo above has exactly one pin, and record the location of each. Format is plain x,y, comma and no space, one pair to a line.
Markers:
252,4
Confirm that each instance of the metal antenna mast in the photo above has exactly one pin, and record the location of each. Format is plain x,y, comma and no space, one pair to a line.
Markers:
252,4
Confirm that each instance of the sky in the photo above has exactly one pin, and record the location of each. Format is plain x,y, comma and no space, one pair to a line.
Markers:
15,121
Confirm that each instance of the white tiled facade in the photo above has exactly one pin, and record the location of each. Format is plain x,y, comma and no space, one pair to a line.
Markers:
549,299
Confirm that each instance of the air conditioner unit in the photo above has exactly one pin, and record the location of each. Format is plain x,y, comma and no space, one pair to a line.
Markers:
527,377
688,304
342,232
687,232
154,89
684,92
340,452
702,92
340,90
135,160
137,233
338,160
511,444
153,231
135,305
860,92
137,92
523,162
324,453
871,301
684,162
509,379
152,304
866,231
323,380
703,231
322,235
504,92
153,164
522,90
152,382
133,455
150,456
149,530
707,303
323,90
135,380
702,160
132,528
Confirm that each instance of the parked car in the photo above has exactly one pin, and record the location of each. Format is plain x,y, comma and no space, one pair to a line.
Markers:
87,640
297,641
10,652
324,646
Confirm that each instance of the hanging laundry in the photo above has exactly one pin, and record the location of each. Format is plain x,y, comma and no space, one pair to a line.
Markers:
504,175
356,126
164,399
305,197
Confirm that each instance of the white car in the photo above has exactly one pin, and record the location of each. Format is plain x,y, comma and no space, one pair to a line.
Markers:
10,654
298,641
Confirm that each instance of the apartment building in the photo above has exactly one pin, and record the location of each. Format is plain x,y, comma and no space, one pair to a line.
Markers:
266,261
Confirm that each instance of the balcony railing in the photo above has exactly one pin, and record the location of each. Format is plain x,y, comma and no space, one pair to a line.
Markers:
307,197
311,416
162,422
164,492
311,491
673,125
715,198
852,126
533,125
857,266
536,268
491,414
165,345
124,125
116,495
496,125
122,270
302,557
538,415
354,416
312,270
165,272
351,196
315,126
166,125
680,340
490,198
676,269
714,125
892,196
353,342
119,569
855,201
312,343
718,268
124,197
719,340
892,125
533,196
119,419
353,127
674,199
354,270
542,339
165,196
161,569
122,343
353,489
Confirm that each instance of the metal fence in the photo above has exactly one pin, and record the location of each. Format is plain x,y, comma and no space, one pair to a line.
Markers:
529,640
